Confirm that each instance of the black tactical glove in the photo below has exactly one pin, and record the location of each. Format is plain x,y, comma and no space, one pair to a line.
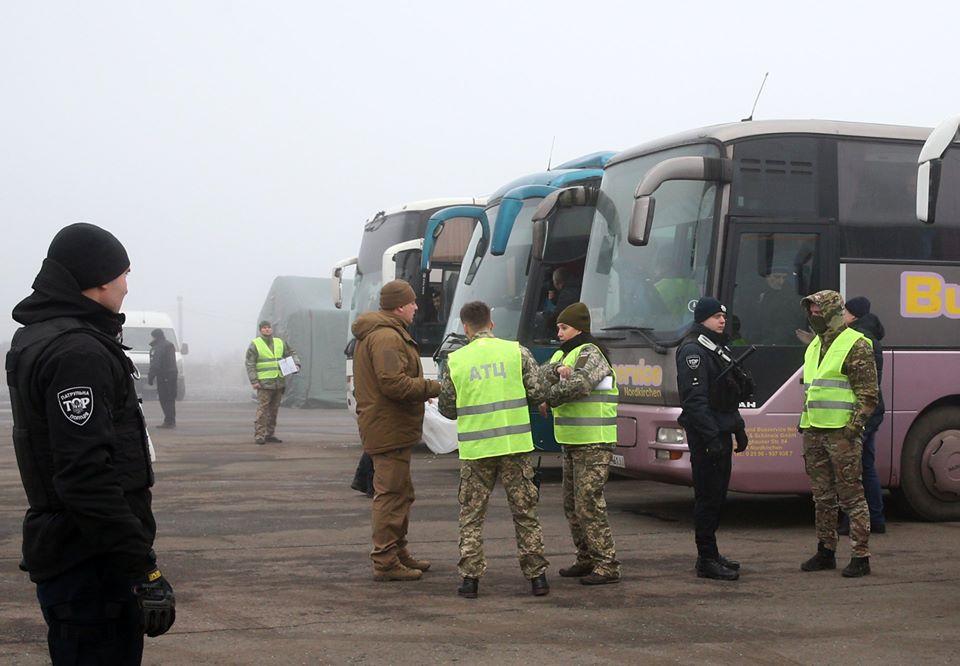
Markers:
742,441
157,603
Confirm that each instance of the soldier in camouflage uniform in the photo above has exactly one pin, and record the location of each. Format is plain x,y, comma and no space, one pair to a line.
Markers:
487,386
840,395
262,359
585,423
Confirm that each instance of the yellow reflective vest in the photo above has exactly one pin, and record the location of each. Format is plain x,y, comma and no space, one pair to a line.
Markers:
828,400
591,419
492,414
268,360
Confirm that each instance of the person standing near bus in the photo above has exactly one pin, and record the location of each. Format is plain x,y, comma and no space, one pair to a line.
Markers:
163,370
841,394
486,388
583,393
711,419
857,315
391,391
263,371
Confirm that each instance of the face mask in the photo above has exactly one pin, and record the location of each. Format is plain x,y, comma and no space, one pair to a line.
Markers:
817,323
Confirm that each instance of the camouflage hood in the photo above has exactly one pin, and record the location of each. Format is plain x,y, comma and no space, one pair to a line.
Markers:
830,324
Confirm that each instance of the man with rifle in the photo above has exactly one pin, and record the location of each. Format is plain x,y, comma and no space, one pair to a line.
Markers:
711,385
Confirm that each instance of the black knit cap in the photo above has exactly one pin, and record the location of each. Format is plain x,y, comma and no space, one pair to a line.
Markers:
576,315
92,255
858,306
706,308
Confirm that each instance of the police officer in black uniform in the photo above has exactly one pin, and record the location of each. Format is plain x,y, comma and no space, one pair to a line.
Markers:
711,419
84,457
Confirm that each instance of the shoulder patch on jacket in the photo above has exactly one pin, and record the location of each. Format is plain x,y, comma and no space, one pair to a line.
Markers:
693,361
76,404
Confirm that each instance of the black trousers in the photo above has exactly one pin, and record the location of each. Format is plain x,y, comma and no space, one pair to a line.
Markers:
92,617
711,478
364,472
167,394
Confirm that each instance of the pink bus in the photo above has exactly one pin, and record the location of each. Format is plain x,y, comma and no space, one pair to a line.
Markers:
760,214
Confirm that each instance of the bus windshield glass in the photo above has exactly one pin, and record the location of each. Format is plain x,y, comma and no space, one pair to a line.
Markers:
500,282
378,235
653,286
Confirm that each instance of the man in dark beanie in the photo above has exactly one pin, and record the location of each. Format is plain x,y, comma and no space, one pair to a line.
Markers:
163,370
390,390
583,394
263,370
711,419
84,457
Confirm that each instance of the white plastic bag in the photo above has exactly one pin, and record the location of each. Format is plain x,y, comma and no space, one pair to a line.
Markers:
439,432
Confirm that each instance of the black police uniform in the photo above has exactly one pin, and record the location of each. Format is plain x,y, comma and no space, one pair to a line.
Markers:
82,449
163,370
710,418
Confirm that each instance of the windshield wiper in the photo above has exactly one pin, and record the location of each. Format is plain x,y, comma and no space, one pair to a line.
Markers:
643,332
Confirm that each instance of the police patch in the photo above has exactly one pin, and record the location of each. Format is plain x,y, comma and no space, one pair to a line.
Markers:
76,404
693,361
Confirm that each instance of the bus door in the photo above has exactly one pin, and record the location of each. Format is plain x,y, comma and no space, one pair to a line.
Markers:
768,267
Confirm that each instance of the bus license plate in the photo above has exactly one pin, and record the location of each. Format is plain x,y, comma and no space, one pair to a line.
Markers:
617,461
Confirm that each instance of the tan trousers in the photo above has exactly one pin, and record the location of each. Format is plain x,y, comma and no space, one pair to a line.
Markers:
268,404
393,495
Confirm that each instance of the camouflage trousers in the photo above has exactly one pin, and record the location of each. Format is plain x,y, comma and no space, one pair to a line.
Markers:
834,466
477,478
268,404
585,472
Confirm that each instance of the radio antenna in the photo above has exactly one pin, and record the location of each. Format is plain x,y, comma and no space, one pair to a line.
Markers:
550,156
750,117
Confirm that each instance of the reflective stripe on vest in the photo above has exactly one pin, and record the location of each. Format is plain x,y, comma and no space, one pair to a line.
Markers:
589,420
492,414
828,399
268,360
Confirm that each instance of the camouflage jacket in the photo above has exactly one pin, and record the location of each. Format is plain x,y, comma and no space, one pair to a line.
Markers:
251,364
591,367
532,381
859,366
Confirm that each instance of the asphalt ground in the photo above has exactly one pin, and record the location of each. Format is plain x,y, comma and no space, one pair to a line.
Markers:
267,549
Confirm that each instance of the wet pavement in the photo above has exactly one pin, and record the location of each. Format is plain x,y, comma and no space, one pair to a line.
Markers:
267,549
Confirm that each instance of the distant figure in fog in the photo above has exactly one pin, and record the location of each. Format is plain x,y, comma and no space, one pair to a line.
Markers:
163,370
263,370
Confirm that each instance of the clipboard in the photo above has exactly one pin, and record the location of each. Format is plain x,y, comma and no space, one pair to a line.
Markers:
288,366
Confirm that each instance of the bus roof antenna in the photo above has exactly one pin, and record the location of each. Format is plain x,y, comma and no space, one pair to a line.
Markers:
550,156
750,117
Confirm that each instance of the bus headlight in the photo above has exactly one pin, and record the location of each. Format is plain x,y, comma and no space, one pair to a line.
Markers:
671,436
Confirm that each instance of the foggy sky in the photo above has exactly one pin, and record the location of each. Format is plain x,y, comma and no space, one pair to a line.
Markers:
226,143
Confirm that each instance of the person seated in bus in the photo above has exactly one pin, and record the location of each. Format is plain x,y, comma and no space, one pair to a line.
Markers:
736,337
677,289
566,293
777,314
857,315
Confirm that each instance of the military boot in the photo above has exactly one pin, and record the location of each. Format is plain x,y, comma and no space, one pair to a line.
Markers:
600,579
409,561
469,587
576,571
711,568
397,573
259,441
824,559
539,586
730,564
859,566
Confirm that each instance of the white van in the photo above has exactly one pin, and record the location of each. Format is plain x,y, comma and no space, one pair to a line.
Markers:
136,335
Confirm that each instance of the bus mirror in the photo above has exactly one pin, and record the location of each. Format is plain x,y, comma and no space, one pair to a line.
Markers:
547,206
539,239
184,348
336,284
641,220
929,164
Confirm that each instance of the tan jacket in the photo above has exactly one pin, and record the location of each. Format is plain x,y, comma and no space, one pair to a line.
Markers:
388,383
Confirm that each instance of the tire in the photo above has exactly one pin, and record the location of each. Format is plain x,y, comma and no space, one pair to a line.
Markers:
930,465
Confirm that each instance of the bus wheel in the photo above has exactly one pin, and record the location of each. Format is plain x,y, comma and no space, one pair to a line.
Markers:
930,465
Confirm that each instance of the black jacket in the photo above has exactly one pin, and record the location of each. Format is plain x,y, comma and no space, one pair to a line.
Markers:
697,371
79,434
871,327
163,360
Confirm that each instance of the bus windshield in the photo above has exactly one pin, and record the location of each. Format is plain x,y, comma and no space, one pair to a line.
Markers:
500,282
653,286
378,235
